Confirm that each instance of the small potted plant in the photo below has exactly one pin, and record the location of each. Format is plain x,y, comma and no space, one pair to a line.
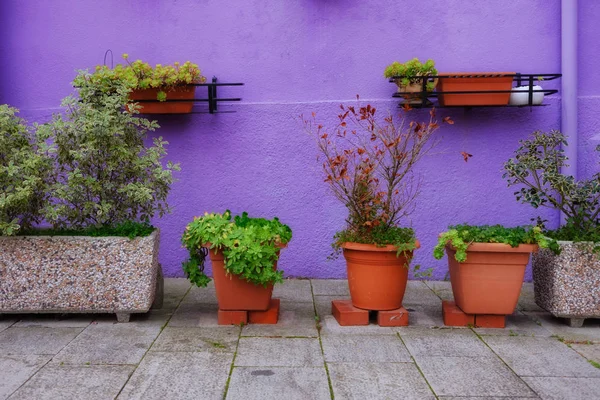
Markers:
244,254
368,164
98,186
147,83
566,284
408,77
487,264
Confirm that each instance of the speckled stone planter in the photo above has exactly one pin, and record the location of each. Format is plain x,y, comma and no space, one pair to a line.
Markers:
79,274
568,285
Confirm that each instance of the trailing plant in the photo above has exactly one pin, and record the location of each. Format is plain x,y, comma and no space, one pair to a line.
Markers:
461,236
250,246
105,173
368,163
536,168
25,167
410,72
141,75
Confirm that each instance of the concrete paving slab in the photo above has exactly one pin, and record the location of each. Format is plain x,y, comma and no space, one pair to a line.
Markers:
295,319
75,382
589,351
278,383
364,348
564,388
198,375
198,295
278,352
36,340
296,290
378,381
6,323
323,304
109,344
486,397
329,326
418,293
445,342
472,376
16,370
424,315
527,298
56,320
557,326
192,314
330,287
221,340
174,291
540,357
517,324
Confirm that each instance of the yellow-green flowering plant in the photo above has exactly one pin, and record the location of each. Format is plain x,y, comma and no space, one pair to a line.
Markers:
141,75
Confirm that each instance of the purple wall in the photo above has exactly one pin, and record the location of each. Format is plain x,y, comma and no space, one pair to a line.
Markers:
302,56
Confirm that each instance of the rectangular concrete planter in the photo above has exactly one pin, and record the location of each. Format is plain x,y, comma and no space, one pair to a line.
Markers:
79,274
568,285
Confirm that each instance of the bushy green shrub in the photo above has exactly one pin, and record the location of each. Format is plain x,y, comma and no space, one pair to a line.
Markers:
24,170
105,174
410,71
536,168
250,246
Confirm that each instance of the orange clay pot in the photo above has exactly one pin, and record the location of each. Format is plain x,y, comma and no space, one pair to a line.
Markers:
490,281
376,277
234,293
185,92
466,82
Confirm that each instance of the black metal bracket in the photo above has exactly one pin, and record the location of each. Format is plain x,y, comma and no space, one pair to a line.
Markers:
212,98
424,96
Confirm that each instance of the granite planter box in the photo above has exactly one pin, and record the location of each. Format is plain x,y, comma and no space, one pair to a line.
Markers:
568,285
79,274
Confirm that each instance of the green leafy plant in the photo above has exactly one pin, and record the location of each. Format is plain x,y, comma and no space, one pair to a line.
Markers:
140,75
25,166
129,229
461,236
104,174
250,246
411,72
368,164
536,167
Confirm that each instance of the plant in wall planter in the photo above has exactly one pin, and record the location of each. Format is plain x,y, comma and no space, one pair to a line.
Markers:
566,284
89,174
487,264
244,254
147,83
368,163
409,77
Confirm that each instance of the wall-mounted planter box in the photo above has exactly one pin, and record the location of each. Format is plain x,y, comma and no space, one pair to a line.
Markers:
568,285
473,83
79,274
145,98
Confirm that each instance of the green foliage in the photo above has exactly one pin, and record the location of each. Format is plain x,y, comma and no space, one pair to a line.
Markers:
403,238
461,236
25,166
105,174
408,72
536,167
250,246
140,75
129,229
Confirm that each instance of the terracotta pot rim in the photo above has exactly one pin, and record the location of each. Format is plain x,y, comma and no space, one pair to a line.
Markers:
208,244
372,247
499,248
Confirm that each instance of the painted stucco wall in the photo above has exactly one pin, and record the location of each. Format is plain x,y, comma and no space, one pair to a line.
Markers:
300,56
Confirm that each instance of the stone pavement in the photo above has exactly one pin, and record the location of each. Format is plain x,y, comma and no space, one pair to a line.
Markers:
181,352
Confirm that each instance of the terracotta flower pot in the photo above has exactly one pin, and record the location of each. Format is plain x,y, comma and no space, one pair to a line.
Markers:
490,281
475,82
376,277
186,92
415,88
234,293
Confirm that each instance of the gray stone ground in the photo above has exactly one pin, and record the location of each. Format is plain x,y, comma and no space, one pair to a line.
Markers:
180,352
